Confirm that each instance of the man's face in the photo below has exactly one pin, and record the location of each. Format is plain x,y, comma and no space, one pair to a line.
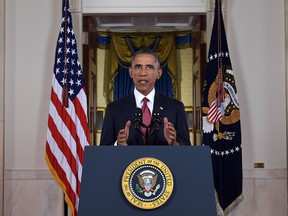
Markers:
144,72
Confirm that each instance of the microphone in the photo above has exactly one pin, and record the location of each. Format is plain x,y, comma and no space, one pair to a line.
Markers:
137,119
155,121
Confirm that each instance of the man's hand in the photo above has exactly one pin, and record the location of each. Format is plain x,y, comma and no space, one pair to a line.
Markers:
123,135
170,132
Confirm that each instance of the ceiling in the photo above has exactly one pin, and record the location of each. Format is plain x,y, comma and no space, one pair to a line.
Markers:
147,23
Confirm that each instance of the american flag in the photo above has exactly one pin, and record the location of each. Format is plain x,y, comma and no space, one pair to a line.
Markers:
214,114
221,119
68,131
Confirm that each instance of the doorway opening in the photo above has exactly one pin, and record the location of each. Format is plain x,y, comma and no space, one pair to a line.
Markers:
190,52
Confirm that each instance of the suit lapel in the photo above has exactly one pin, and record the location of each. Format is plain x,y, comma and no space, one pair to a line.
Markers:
158,106
129,105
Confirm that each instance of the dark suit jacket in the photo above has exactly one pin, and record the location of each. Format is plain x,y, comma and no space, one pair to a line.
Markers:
119,112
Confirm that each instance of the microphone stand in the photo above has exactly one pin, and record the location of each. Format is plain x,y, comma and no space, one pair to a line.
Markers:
146,134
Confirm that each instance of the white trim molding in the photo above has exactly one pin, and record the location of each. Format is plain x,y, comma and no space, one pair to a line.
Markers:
76,5
149,6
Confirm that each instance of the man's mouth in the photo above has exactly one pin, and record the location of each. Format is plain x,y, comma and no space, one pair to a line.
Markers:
143,81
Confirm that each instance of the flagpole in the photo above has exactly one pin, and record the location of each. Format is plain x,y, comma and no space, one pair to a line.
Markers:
195,78
203,56
94,120
65,207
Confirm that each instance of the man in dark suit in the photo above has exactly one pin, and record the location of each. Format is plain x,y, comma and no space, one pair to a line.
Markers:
172,128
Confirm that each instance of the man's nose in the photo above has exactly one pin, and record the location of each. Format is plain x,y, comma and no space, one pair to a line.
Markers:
144,71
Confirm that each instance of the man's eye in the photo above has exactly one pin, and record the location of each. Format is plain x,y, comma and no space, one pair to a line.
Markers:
137,67
150,67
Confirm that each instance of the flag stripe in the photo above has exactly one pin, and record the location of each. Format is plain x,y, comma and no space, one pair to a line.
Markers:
61,121
81,106
66,118
61,167
60,149
60,116
59,175
213,113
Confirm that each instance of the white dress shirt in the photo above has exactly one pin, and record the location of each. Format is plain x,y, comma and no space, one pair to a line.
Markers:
139,99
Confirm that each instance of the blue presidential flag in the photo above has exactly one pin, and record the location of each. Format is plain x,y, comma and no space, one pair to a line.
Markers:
221,119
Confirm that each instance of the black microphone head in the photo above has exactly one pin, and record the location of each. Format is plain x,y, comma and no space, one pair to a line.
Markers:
156,117
155,121
137,118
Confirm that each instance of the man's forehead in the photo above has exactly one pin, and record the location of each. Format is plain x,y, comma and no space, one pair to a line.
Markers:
147,59
142,64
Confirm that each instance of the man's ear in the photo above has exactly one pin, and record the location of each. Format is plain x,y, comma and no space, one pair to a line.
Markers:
130,72
159,73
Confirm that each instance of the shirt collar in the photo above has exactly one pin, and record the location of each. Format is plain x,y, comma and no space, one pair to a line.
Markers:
139,97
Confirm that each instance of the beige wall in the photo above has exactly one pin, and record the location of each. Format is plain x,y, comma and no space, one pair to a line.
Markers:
257,49
30,45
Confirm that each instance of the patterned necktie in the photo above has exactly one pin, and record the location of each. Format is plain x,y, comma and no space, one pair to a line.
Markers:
146,115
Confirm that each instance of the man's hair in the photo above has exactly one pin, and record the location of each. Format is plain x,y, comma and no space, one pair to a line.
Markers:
146,51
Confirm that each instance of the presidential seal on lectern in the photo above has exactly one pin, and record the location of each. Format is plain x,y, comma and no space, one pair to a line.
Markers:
147,183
